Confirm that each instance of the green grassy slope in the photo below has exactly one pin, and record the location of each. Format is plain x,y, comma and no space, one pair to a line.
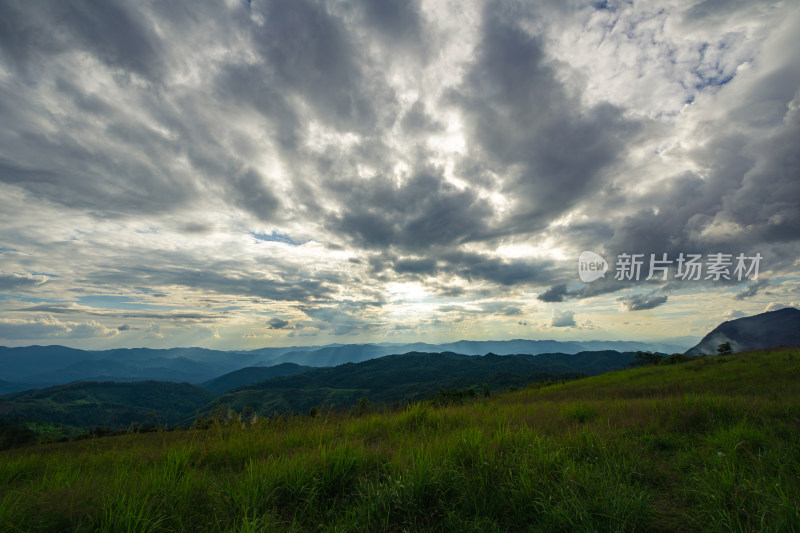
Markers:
710,445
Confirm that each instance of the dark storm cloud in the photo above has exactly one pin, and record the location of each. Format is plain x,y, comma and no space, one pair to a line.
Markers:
256,196
591,235
310,52
254,87
559,293
415,266
640,302
303,151
453,291
467,265
305,51
101,157
523,118
396,20
750,185
114,32
108,159
754,188
196,228
232,272
498,270
221,278
683,202
424,212
602,286
768,200
556,293
416,120
83,179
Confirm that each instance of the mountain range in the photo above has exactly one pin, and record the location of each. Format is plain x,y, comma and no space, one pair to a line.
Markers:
42,366
290,388
117,387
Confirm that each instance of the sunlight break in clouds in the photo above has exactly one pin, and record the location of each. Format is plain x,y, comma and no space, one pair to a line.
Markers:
244,174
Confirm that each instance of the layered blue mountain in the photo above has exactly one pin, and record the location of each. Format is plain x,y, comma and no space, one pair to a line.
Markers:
42,366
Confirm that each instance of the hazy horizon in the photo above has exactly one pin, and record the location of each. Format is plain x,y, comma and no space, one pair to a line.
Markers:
686,342
245,174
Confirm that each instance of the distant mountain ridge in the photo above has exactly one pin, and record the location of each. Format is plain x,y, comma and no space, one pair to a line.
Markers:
766,330
59,364
43,366
355,353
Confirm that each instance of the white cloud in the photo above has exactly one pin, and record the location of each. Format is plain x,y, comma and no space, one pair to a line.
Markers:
563,319
774,306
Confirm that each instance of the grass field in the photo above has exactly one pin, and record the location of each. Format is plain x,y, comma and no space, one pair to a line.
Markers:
709,445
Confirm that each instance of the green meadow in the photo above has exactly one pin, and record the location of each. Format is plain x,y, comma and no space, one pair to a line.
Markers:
708,445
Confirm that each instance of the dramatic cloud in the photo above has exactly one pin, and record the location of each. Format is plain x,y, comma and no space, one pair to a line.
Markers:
554,294
234,174
519,115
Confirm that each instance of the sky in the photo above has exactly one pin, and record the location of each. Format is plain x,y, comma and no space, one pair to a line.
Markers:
239,174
